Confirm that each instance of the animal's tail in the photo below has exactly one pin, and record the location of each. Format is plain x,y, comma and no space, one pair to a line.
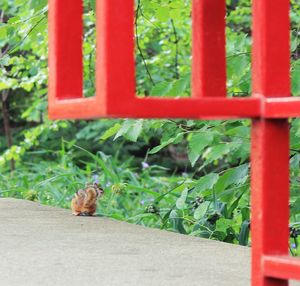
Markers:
91,195
81,194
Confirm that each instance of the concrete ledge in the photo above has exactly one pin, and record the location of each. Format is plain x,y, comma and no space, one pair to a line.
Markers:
42,245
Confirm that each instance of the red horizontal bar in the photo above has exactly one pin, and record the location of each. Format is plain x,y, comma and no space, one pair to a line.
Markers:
197,108
281,107
282,267
78,108
193,108
150,107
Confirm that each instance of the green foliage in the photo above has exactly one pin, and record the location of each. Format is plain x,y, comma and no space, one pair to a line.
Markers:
181,175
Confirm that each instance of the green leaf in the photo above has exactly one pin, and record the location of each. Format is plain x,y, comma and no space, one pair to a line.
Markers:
201,210
162,13
177,221
244,233
93,4
13,20
38,4
161,89
216,152
197,143
235,204
111,131
237,65
206,183
131,129
296,79
180,203
295,209
294,44
179,188
124,129
134,132
3,32
237,176
166,143
179,87
223,224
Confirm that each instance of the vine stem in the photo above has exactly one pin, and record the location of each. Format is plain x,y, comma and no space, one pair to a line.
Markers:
176,65
137,39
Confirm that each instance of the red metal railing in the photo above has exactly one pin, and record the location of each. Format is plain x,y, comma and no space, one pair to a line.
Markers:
269,107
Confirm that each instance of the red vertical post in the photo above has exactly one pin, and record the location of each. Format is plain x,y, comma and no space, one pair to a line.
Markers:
270,195
209,48
115,66
66,30
270,138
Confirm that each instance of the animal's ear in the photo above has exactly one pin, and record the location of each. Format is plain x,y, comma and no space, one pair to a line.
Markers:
100,191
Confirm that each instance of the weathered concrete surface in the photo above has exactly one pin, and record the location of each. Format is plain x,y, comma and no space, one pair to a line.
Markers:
41,245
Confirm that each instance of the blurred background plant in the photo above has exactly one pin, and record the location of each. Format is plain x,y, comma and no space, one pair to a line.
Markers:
186,176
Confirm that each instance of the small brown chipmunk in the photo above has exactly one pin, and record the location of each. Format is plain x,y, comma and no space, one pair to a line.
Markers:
84,202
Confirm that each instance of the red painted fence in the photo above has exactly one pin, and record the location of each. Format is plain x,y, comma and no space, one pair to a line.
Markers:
269,107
